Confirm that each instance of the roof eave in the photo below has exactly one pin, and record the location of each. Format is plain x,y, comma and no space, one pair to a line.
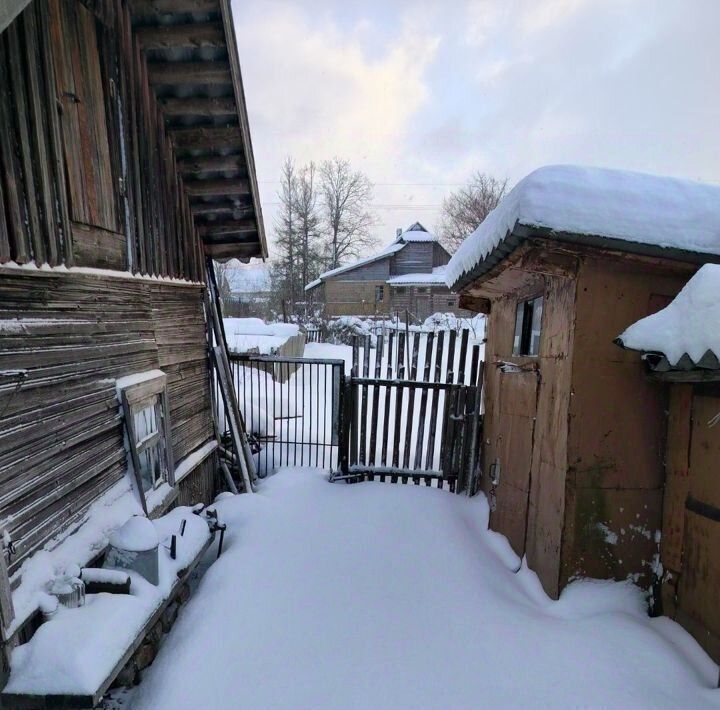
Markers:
521,233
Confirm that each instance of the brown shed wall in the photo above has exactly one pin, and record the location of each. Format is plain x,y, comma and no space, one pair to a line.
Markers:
617,422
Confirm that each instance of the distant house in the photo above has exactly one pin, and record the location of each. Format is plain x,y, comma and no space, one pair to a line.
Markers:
573,463
407,274
681,351
249,290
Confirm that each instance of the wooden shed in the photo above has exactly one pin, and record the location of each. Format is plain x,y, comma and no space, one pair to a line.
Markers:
125,165
680,346
574,432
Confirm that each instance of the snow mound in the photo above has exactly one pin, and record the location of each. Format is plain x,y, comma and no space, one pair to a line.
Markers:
690,324
138,534
616,204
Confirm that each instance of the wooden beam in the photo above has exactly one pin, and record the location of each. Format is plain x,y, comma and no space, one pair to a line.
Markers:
174,73
230,251
186,36
214,209
198,107
207,138
248,237
208,188
211,164
10,9
227,226
153,8
474,303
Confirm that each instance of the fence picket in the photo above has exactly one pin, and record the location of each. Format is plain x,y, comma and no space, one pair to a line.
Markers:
434,402
398,403
375,400
423,402
386,419
411,401
364,401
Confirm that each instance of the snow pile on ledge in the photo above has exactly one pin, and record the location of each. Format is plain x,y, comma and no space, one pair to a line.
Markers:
386,596
634,207
436,276
76,650
245,334
690,324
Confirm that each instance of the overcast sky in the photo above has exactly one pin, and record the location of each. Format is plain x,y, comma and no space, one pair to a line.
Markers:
421,94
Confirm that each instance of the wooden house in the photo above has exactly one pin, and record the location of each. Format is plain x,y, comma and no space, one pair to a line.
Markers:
125,164
574,434
408,274
681,347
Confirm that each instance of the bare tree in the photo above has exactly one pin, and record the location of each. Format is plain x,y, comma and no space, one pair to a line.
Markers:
285,267
224,285
308,224
345,196
463,210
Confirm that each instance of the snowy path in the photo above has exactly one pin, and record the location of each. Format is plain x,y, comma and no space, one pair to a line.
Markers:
385,596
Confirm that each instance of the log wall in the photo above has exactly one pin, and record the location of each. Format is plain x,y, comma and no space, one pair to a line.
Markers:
64,339
88,175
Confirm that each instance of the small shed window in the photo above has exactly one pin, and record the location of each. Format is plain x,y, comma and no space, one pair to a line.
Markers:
400,289
379,293
147,423
528,322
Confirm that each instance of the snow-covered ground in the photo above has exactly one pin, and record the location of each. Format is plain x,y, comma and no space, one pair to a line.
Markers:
385,596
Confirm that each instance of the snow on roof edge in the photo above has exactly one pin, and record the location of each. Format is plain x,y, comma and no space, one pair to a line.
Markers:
630,207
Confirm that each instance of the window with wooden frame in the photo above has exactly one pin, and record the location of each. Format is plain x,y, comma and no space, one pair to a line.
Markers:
528,325
379,293
147,423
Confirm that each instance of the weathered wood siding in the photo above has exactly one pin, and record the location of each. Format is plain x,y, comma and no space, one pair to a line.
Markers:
376,271
424,301
616,436
355,298
690,543
414,258
64,339
87,172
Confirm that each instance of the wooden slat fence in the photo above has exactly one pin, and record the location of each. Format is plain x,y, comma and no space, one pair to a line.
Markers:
421,421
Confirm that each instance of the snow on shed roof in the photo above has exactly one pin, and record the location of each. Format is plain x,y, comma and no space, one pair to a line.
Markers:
689,325
436,276
634,208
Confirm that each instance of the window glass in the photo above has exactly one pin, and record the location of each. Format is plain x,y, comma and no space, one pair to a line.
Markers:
379,293
528,326
518,328
151,472
536,323
145,422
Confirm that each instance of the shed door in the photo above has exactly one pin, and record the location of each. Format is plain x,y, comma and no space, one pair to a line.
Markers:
700,578
517,400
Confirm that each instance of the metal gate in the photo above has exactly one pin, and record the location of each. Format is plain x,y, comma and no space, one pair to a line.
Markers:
292,409
408,411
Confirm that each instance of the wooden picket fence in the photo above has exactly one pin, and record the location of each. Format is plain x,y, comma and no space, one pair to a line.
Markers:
412,410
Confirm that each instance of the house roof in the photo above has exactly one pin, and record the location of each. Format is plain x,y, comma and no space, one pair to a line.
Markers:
614,209
414,233
194,70
435,277
686,333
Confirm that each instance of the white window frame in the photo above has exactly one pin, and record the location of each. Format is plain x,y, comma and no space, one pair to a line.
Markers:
135,397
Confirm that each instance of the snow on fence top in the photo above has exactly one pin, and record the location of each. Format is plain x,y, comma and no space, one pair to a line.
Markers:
615,204
690,324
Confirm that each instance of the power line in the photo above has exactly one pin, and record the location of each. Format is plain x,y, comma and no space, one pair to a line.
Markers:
379,207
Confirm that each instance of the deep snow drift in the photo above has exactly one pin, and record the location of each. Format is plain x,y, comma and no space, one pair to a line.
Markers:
385,596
